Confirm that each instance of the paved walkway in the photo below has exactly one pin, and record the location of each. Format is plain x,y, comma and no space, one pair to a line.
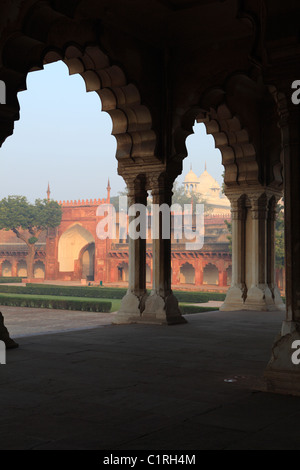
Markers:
189,387
32,321
210,304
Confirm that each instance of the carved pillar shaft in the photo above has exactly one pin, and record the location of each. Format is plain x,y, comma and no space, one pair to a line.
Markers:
292,218
259,295
133,303
236,294
259,211
161,305
238,216
161,246
282,373
271,223
253,252
137,249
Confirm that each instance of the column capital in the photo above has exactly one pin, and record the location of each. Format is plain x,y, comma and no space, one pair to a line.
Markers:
238,209
136,186
160,183
259,205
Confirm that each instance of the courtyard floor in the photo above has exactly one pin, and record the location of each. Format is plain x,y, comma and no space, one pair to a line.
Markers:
92,385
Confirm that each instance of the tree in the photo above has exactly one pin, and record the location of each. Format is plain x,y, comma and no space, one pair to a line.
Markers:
114,200
28,221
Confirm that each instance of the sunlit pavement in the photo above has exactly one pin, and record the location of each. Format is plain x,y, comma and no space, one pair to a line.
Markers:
195,386
31,321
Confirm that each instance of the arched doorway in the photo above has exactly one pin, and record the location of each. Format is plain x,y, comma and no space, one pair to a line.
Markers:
6,268
123,272
187,274
87,260
22,268
71,247
39,270
211,275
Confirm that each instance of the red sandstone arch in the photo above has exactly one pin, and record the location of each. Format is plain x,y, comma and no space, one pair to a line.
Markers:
22,265
6,264
123,271
210,274
83,250
188,272
39,266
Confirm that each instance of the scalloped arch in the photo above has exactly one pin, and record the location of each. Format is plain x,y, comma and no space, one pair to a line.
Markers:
131,120
238,153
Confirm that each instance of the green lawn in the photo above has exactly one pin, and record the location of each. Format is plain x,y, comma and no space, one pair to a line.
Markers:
115,304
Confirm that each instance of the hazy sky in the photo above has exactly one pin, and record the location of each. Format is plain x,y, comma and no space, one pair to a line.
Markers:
63,138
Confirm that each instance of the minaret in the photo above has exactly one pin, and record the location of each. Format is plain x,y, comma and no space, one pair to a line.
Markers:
108,191
205,169
48,192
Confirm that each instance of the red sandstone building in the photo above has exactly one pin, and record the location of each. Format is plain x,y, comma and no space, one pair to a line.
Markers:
73,252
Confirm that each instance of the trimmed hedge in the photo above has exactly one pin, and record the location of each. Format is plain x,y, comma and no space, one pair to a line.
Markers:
104,292
76,291
199,297
7,280
53,302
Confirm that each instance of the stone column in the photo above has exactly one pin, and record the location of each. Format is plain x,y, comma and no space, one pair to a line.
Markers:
4,335
199,273
175,272
253,252
259,295
271,266
133,303
283,373
222,279
161,306
236,294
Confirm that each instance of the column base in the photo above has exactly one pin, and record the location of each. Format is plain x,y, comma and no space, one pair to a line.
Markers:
258,298
130,310
281,375
157,311
278,299
4,335
162,311
261,298
234,299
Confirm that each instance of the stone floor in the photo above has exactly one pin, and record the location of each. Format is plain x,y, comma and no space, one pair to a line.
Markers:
189,387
